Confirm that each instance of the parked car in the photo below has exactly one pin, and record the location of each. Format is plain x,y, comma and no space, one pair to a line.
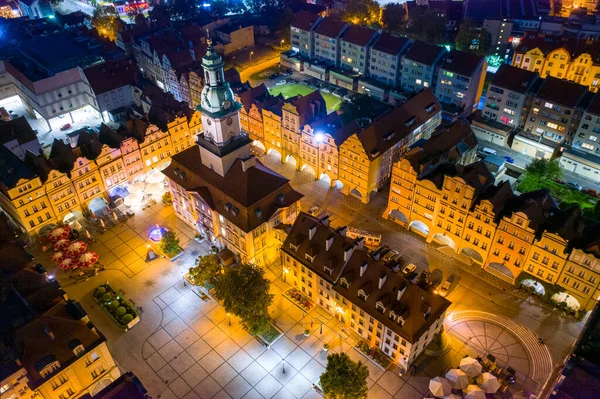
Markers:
66,126
410,268
281,83
313,210
590,191
446,286
574,185
390,255
508,159
486,151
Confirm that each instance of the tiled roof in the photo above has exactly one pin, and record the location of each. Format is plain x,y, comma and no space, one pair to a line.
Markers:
330,27
112,75
304,20
476,175
257,192
390,44
394,126
461,62
546,43
17,129
337,257
424,53
561,91
13,169
514,79
358,35
594,106
537,205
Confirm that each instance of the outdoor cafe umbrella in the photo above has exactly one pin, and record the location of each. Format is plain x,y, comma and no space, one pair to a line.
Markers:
154,188
470,366
61,244
452,396
439,386
134,199
58,256
474,392
137,187
67,263
488,383
156,177
87,259
59,233
76,248
457,378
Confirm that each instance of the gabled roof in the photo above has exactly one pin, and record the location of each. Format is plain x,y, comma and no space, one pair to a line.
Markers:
359,35
330,27
390,44
514,79
13,169
304,20
17,129
561,91
397,124
256,194
476,175
425,53
461,62
537,205
112,75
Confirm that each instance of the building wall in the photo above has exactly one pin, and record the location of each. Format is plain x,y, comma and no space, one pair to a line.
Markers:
27,204
552,121
586,168
62,195
354,57
581,277
587,136
302,42
327,49
416,76
461,91
385,67
505,106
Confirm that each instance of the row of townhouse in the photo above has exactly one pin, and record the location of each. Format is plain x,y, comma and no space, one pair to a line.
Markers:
365,294
561,57
80,174
459,206
51,349
354,159
383,65
544,118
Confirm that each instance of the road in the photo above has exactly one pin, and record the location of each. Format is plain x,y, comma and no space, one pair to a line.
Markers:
69,6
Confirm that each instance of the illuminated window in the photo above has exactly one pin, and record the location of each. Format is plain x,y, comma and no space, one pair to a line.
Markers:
418,81
549,105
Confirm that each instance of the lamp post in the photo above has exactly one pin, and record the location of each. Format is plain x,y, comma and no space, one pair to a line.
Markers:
251,54
282,41
183,278
229,318
283,366
284,274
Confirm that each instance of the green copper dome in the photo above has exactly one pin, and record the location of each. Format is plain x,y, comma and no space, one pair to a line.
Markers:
217,97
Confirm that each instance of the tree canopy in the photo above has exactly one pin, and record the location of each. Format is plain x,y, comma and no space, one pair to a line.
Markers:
244,292
344,378
543,170
207,267
392,17
169,243
426,24
107,22
473,38
361,12
159,14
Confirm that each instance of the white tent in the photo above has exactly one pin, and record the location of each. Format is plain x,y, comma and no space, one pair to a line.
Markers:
137,187
156,177
488,383
474,392
470,366
439,386
457,378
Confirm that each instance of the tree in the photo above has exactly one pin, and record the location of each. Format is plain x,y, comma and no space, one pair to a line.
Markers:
344,378
182,9
140,19
244,292
543,170
169,244
427,25
107,22
207,267
159,14
473,38
167,199
361,12
393,17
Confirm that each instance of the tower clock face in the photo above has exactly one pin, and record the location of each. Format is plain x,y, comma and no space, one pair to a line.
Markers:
209,122
229,121
226,104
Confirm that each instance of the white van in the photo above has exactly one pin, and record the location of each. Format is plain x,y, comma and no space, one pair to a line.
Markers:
487,151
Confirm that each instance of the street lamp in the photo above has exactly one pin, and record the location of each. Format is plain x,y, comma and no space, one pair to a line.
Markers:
251,54
284,274
229,318
282,41
283,366
183,278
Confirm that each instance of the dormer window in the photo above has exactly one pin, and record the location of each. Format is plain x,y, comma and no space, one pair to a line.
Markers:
362,295
392,315
78,350
294,247
380,308
344,283
309,258
400,320
50,369
76,346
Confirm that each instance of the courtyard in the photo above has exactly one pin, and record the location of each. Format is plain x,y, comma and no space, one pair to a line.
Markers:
293,89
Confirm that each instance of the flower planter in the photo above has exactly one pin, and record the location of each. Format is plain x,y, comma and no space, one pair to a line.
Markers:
306,333
299,299
373,354
270,337
117,308
325,348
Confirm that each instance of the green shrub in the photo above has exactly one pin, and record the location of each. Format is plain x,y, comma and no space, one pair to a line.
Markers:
126,319
114,304
99,292
120,311
106,297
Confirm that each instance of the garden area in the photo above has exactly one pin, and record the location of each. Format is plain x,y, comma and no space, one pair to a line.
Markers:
568,196
293,89
116,307
373,353
267,73
299,299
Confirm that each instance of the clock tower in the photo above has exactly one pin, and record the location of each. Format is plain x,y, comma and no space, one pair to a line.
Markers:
222,140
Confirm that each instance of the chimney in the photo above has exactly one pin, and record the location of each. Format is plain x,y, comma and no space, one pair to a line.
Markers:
363,268
342,231
311,232
382,278
359,242
325,220
248,163
328,242
49,333
399,293
377,254
348,253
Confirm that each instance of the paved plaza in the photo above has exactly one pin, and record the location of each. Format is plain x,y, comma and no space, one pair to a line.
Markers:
184,347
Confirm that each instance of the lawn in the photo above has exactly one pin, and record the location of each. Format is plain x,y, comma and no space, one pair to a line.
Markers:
293,89
565,194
